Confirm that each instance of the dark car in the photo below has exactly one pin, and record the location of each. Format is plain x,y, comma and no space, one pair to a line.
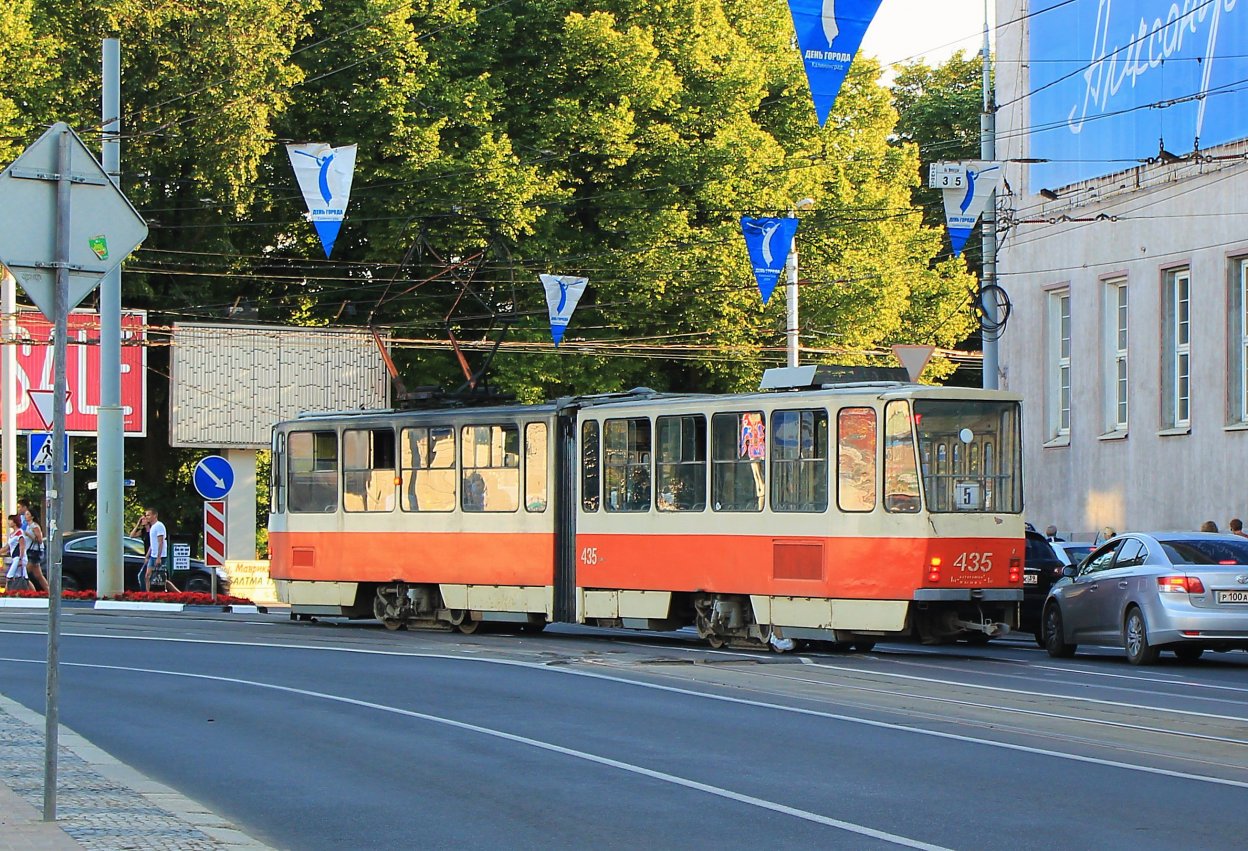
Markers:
1041,568
78,567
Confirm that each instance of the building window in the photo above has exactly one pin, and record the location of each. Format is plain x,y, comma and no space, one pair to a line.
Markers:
591,494
535,467
738,456
427,456
799,460
1237,335
681,470
313,471
1116,355
626,464
1059,364
1177,349
856,465
368,469
490,468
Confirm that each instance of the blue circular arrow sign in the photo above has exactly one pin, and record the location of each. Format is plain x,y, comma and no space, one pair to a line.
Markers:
213,477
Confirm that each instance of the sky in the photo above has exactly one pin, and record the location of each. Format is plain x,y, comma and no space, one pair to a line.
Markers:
933,29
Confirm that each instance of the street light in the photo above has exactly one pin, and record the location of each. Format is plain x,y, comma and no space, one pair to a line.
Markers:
790,294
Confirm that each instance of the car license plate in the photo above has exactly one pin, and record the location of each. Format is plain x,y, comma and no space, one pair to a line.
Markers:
1233,596
1034,579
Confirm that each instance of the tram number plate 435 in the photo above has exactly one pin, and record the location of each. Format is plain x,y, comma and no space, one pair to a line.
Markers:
1233,596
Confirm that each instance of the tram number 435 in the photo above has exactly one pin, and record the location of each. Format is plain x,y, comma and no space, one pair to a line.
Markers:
973,562
589,555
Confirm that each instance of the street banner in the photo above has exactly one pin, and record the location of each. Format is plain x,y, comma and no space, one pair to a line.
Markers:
768,240
563,293
964,204
324,176
829,33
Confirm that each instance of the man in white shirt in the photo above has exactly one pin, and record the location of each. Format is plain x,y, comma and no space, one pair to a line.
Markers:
157,549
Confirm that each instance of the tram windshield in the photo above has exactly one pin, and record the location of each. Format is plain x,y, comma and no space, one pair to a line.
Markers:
970,455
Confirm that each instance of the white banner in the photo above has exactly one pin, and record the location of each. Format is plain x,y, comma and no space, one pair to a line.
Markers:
324,174
563,293
964,204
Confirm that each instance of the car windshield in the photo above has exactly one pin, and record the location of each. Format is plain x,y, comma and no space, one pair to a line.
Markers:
969,451
1077,553
1194,551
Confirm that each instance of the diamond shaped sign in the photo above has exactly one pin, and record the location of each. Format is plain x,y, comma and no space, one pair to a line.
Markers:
103,226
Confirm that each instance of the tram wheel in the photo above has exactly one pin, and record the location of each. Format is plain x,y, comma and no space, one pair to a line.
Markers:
393,624
864,646
468,626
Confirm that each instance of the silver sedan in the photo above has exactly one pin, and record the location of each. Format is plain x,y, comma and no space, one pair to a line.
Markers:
1180,591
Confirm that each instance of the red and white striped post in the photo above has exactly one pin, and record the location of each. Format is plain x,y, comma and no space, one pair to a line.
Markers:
214,539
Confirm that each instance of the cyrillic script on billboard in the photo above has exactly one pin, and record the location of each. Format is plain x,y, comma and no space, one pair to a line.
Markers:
1111,80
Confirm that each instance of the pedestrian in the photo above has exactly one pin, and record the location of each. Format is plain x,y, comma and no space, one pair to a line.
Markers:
15,578
1237,527
154,563
1208,526
35,550
1050,533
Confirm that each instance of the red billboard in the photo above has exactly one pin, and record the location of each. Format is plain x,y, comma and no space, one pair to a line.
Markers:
35,371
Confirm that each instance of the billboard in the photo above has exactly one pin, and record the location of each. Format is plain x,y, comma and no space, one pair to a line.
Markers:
229,384
1110,79
35,371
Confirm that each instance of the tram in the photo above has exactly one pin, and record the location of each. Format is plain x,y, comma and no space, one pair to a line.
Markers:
818,509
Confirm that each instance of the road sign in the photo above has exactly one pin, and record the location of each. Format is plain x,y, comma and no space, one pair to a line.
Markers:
39,453
42,401
214,533
181,556
103,228
213,477
913,358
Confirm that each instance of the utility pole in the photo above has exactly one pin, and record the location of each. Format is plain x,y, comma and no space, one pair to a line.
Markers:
988,327
110,461
8,391
792,336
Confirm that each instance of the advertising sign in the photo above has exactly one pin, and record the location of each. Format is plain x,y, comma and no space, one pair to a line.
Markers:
1110,79
324,174
35,371
829,33
768,242
563,294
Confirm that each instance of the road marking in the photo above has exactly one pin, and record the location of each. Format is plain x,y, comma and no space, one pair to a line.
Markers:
1169,682
884,725
675,780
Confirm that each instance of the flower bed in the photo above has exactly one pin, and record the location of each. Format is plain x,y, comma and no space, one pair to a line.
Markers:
186,598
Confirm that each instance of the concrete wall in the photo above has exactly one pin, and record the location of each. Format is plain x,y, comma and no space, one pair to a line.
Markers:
1135,224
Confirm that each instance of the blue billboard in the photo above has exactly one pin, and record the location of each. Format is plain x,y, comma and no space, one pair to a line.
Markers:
1111,81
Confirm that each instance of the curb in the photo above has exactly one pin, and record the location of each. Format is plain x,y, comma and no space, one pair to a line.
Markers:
128,605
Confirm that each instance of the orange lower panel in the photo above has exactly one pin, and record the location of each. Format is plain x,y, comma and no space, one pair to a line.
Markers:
460,558
852,568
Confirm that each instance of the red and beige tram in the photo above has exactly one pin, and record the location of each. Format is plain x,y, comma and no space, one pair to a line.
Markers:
818,509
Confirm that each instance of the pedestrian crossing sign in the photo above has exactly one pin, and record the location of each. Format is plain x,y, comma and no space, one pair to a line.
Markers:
39,453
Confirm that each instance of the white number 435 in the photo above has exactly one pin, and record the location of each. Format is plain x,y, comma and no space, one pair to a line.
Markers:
973,562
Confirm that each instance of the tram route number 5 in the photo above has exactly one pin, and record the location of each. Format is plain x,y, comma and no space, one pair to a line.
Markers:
973,562
589,555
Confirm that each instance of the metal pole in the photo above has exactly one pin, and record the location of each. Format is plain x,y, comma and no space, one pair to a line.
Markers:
57,501
790,296
110,493
8,387
988,153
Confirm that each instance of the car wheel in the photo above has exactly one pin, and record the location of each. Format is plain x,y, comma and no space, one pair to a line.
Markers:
1039,634
1188,653
1135,638
69,583
199,585
1054,641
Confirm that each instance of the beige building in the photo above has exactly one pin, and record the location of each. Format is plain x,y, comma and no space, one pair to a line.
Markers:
1128,335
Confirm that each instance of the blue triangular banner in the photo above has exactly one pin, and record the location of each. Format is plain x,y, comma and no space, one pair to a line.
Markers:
829,33
328,232
563,294
768,240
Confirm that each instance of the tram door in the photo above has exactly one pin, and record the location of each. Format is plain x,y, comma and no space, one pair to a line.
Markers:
564,493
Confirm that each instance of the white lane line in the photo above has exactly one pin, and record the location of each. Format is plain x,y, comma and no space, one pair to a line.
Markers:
717,791
1151,680
795,710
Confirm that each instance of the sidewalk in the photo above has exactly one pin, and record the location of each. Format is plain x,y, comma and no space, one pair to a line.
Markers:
102,804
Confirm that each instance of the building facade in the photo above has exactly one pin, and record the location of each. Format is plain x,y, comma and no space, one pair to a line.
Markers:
1124,254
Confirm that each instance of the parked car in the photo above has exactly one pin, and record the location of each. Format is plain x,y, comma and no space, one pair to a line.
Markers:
1072,552
79,562
1186,592
1041,568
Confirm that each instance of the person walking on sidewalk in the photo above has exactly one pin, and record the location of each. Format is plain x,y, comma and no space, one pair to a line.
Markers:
15,578
154,564
34,550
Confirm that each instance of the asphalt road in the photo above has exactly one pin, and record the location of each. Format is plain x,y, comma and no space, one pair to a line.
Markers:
333,735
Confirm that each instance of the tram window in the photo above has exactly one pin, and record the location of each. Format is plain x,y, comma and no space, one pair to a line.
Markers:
681,465
490,463
857,469
799,460
277,474
535,472
901,475
590,473
427,456
626,464
738,454
312,471
368,469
